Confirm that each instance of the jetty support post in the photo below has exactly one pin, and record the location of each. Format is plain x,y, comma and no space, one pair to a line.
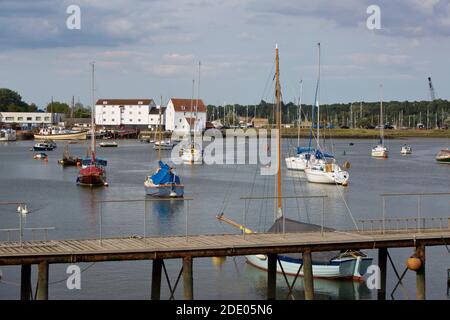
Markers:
188,279
308,275
271,276
25,282
42,286
156,279
382,264
420,274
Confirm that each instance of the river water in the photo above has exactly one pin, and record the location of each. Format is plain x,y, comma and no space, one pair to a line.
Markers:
56,201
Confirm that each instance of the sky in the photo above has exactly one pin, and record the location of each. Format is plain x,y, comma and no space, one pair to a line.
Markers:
149,49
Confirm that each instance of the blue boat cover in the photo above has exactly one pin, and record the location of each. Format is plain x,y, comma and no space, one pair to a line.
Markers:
304,150
165,175
88,161
321,155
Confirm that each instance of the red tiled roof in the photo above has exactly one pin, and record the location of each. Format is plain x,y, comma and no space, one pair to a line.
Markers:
184,105
124,102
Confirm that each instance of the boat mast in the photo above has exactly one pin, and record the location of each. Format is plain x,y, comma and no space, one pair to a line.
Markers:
299,120
93,113
279,213
191,132
198,96
159,131
318,103
381,115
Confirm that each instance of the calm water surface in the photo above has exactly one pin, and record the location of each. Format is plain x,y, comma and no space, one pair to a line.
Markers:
56,201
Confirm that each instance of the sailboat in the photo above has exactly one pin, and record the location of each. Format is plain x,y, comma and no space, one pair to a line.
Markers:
380,150
303,154
93,171
323,168
161,144
193,153
164,183
331,264
68,159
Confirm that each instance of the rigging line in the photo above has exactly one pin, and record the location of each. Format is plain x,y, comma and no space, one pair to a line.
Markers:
229,191
346,205
247,203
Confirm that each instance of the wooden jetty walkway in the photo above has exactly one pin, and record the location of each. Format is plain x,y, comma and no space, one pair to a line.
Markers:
43,253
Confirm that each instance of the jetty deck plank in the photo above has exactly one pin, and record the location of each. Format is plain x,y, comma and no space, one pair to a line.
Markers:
137,248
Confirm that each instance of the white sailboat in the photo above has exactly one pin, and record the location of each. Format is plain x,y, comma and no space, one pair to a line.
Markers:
193,153
406,149
380,150
331,264
323,168
304,154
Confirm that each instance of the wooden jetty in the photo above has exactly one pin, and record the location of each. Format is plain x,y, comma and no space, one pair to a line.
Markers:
44,253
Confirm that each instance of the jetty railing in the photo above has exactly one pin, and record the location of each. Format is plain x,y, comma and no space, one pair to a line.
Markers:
184,199
403,224
419,221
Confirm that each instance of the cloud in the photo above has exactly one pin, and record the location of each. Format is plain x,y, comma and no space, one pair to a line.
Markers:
404,18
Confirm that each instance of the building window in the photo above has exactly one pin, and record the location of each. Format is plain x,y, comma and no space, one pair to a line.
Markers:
104,112
9,118
131,120
47,119
181,120
20,119
112,112
112,119
139,112
38,118
131,112
104,120
139,120
29,118
176,126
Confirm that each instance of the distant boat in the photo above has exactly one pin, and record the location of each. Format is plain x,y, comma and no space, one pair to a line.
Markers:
68,159
163,145
43,146
164,183
7,135
60,134
406,149
380,150
93,171
443,156
109,144
300,160
40,156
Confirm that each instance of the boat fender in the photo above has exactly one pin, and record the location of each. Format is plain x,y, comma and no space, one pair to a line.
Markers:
413,263
261,257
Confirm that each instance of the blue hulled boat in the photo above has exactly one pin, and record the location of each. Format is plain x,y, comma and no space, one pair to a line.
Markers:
164,183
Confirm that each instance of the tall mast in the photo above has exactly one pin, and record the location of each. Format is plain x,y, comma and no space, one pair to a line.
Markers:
278,118
192,103
198,96
318,103
381,115
299,120
93,113
159,129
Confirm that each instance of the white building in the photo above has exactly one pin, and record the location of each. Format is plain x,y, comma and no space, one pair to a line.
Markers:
30,119
181,114
123,112
153,117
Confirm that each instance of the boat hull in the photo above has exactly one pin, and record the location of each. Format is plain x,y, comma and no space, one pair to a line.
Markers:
66,136
318,176
342,268
443,156
296,163
165,191
92,176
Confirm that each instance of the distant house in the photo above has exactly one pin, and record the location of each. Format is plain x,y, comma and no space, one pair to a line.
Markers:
123,112
181,115
31,119
259,122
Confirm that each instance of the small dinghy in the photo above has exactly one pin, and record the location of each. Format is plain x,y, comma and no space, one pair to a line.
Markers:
109,144
40,156
406,149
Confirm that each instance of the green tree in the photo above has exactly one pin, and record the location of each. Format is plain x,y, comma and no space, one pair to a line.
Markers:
11,101
58,107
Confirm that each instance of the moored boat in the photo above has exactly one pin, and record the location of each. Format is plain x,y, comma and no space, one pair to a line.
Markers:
380,150
109,144
443,156
68,159
43,146
40,156
8,135
164,183
60,134
406,149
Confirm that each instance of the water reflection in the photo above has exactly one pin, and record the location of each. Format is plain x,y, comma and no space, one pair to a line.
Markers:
324,289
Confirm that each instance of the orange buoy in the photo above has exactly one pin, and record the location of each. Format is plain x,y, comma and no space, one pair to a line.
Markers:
414,263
